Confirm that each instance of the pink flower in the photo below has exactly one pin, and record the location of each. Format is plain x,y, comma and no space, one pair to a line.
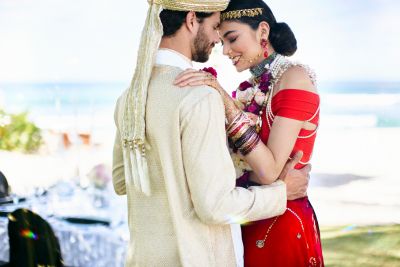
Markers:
234,94
100,176
244,85
265,82
264,87
265,77
211,70
253,107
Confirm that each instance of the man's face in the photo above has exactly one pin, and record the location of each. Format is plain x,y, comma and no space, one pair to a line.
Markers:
206,38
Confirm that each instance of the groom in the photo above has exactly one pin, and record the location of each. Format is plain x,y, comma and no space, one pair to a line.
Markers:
179,177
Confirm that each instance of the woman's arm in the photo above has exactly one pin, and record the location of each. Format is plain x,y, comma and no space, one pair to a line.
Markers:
267,161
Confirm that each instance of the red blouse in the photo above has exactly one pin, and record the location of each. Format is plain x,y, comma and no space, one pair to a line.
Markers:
299,105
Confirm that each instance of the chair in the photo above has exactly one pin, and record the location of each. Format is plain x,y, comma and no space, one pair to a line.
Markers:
4,187
32,241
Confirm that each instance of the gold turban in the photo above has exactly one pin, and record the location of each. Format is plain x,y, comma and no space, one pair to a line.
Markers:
133,124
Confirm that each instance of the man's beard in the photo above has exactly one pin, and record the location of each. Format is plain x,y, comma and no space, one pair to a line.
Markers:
201,47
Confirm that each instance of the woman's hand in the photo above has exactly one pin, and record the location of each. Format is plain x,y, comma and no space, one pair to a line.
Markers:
253,118
191,77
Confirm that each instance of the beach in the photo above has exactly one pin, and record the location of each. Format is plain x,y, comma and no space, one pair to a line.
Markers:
354,178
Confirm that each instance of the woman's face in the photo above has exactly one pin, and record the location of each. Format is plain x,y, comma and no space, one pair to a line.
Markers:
241,44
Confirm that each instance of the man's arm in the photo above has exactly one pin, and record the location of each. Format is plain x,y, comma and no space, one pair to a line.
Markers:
210,172
118,173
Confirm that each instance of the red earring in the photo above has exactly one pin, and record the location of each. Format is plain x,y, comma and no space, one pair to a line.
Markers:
264,46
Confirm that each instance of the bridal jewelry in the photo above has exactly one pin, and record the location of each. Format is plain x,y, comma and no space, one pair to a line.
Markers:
262,84
261,242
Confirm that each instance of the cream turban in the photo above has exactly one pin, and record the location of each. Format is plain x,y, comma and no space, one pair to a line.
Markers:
133,124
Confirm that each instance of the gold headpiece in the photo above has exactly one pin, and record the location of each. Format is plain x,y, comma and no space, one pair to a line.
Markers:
132,125
236,14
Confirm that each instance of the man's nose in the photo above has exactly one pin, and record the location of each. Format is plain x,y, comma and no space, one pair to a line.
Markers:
217,40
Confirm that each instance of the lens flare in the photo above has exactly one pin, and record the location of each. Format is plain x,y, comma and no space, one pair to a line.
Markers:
29,234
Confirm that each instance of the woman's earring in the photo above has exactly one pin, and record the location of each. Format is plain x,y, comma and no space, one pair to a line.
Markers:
264,46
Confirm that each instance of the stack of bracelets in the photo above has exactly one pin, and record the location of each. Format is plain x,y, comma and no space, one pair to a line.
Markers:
242,135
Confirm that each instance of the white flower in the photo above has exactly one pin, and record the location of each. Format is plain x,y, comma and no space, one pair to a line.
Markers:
259,98
240,164
244,96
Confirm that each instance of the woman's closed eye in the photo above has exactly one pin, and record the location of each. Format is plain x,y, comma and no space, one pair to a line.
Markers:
232,40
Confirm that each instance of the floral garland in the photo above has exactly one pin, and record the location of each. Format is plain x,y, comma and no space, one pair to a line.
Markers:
251,97
252,94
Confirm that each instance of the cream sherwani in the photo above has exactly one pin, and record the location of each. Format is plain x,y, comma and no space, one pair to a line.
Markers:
185,221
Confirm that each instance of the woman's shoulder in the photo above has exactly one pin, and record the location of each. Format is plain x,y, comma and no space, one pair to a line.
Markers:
298,76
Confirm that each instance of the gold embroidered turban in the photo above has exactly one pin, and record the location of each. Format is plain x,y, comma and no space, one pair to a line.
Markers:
134,125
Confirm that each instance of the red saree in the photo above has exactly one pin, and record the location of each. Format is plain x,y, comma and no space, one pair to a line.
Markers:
292,239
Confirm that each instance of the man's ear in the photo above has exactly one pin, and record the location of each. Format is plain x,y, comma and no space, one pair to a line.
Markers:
191,22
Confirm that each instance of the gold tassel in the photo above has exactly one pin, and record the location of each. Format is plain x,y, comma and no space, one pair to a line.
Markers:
133,122
127,166
145,178
135,173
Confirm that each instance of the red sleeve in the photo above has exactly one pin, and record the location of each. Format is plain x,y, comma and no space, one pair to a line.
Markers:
296,104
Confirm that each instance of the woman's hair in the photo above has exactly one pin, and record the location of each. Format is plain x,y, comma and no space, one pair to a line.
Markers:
281,36
32,241
4,187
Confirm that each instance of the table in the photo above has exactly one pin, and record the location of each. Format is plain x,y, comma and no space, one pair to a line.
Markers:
81,245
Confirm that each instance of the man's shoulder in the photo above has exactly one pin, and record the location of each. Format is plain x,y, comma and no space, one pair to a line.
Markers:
122,98
123,95
119,106
202,99
191,94
165,73
198,94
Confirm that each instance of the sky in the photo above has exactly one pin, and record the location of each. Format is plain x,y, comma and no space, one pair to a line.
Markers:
97,40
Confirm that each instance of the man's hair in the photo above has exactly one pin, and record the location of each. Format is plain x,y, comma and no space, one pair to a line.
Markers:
172,21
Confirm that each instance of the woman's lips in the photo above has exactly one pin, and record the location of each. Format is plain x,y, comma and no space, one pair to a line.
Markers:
235,60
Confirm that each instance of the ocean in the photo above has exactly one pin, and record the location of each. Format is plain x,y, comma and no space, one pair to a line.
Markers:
71,107
87,106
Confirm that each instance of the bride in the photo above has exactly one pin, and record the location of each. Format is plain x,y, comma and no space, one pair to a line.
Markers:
269,118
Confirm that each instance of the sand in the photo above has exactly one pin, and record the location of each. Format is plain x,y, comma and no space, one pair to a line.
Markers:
354,179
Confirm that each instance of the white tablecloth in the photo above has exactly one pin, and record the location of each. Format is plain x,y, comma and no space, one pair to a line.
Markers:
82,245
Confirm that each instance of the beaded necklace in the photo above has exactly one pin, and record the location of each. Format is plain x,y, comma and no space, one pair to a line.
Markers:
256,94
259,69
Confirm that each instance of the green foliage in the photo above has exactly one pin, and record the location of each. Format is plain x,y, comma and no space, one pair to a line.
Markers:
17,133
367,246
